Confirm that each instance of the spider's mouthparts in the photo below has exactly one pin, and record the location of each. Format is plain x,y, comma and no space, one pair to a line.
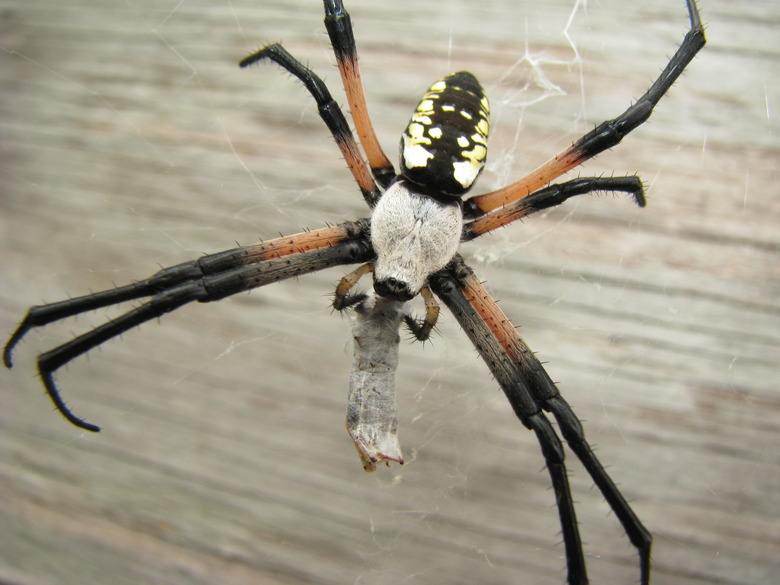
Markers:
394,289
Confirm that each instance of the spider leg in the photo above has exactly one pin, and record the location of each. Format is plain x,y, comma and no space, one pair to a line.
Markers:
550,399
548,197
422,328
329,111
479,315
572,431
607,134
500,346
339,27
342,299
210,278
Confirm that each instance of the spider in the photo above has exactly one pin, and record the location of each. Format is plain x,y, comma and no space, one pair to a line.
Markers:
410,244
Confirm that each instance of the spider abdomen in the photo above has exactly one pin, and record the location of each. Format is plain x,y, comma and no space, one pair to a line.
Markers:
444,147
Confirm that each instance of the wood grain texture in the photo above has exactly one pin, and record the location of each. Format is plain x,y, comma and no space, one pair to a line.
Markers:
130,140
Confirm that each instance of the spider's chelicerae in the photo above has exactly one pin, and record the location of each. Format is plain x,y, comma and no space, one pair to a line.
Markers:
410,245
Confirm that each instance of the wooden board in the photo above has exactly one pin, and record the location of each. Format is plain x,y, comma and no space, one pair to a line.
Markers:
131,140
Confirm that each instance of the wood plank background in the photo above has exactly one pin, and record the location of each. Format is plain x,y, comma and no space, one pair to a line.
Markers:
131,140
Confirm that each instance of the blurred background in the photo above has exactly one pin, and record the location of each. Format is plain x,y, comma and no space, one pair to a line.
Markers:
131,140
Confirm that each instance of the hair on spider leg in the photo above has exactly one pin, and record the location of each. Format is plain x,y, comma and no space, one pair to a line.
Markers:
418,329
631,184
347,302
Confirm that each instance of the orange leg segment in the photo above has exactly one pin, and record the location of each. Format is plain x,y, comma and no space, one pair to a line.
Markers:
338,24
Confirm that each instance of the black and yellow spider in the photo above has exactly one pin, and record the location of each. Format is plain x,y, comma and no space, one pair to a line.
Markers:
410,245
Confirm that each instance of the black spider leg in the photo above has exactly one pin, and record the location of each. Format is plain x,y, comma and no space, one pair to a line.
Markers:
607,134
210,278
546,198
493,333
571,429
339,26
329,111
610,133
497,342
